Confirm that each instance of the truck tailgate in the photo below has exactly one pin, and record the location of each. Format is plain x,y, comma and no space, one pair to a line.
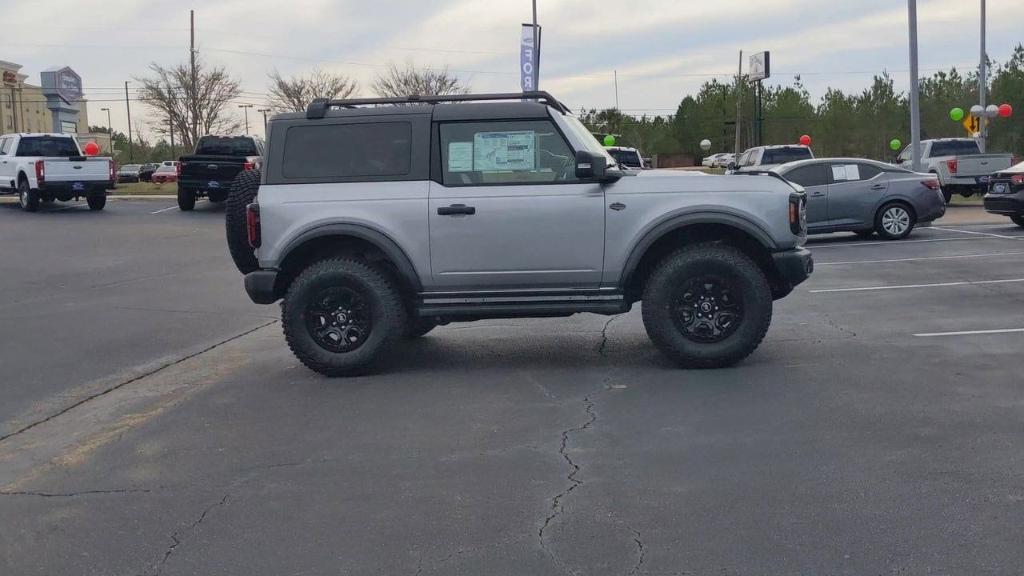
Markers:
73,170
982,164
206,170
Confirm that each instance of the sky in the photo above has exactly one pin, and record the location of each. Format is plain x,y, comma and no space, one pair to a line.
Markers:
660,49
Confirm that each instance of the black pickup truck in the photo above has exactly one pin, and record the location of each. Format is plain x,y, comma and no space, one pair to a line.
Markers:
212,168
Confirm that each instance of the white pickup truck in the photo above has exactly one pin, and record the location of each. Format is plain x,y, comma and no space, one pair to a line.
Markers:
48,167
959,164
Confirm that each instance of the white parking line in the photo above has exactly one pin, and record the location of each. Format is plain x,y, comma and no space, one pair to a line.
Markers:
814,246
906,286
164,209
969,332
989,255
977,233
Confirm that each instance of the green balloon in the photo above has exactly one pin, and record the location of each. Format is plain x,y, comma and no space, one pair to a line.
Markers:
609,140
895,144
956,114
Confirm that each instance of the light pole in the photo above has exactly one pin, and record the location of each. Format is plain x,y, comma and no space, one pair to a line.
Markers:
246,108
110,128
128,107
983,81
915,110
264,111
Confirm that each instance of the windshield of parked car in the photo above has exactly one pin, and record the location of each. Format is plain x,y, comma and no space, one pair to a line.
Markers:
166,169
48,146
955,148
589,142
784,155
130,167
226,146
629,158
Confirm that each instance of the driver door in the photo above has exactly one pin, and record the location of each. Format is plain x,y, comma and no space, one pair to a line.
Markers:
506,210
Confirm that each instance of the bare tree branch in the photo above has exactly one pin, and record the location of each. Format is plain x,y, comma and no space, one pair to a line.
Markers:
295,93
194,109
396,82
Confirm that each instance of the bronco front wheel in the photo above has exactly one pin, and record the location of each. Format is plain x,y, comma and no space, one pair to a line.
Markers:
707,306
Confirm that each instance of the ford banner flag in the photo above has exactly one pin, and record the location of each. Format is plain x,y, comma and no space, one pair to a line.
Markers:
529,59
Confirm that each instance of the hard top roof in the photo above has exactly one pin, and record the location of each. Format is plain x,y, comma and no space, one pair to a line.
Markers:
445,107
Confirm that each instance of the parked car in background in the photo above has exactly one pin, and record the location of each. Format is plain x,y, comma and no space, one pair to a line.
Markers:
214,165
709,161
1006,194
164,174
628,157
767,157
129,173
724,160
47,167
959,164
865,196
146,172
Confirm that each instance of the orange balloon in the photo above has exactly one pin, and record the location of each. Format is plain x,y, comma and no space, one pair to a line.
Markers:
91,149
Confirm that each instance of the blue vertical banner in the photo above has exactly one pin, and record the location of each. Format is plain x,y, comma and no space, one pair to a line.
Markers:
529,59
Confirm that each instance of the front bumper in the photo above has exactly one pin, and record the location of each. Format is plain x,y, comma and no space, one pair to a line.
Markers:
793,267
259,285
1005,204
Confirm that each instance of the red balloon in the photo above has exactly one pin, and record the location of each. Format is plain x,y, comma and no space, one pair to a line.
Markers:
805,140
1006,111
91,149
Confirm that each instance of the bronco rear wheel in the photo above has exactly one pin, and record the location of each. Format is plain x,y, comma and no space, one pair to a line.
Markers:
707,306
341,316
243,192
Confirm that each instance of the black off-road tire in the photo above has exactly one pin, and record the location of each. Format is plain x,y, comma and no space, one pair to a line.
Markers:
418,327
186,199
382,299
1018,220
243,192
947,194
880,217
27,197
96,201
663,290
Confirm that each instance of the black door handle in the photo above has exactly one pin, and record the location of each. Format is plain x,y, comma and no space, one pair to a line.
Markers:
456,209
878,187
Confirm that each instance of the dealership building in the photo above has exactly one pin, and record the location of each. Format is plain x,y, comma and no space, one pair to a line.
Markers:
56,105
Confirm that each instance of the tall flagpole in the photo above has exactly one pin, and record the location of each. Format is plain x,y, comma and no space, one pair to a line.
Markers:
915,107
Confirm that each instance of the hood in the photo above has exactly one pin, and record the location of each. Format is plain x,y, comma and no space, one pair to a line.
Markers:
663,172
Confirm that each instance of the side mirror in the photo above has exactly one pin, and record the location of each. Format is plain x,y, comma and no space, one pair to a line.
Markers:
590,166
731,166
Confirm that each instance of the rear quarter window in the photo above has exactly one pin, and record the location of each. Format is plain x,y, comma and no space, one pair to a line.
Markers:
377,149
784,155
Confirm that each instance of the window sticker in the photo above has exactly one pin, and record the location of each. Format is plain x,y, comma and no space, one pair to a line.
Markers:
839,173
460,156
504,151
852,172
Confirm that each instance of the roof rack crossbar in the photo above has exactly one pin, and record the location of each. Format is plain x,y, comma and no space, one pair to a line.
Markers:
319,107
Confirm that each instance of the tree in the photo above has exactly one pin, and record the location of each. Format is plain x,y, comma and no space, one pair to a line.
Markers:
294,94
194,106
397,82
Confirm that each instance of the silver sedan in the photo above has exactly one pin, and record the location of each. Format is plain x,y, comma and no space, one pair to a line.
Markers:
865,196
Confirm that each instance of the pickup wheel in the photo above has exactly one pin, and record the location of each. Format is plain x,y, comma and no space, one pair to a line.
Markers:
947,194
97,202
341,316
186,199
243,192
27,197
895,221
707,306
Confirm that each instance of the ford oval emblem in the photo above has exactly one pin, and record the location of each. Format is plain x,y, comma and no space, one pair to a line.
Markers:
211,166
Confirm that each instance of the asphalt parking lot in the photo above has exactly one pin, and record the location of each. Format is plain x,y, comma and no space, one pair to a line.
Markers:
154,422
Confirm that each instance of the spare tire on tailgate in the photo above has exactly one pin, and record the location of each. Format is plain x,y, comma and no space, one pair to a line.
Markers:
243,192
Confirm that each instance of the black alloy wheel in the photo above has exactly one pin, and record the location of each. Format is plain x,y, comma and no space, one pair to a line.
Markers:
708,309
339,319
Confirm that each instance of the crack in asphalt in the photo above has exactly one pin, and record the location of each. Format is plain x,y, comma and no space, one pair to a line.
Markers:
640,553
177,536
106,391
841,329
604,336
74,494
556,502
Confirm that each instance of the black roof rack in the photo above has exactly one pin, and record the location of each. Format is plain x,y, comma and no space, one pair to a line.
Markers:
318,108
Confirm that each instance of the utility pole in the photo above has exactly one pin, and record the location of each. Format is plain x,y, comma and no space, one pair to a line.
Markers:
983,83
246,108
915,105
170,130
536,49
110,128
616,90
193,92
264,111
739,103
128,108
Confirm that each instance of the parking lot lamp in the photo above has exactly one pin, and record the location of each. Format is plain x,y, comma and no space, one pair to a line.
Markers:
246,107
110,128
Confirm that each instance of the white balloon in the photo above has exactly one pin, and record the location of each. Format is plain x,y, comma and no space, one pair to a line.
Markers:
977,111
705,145
992,111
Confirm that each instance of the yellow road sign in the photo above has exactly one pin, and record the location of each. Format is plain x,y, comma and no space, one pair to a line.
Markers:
972,124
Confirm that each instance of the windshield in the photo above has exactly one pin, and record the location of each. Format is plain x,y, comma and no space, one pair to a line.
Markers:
226,146
583,135
629,158
955,148
52,146
130,167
